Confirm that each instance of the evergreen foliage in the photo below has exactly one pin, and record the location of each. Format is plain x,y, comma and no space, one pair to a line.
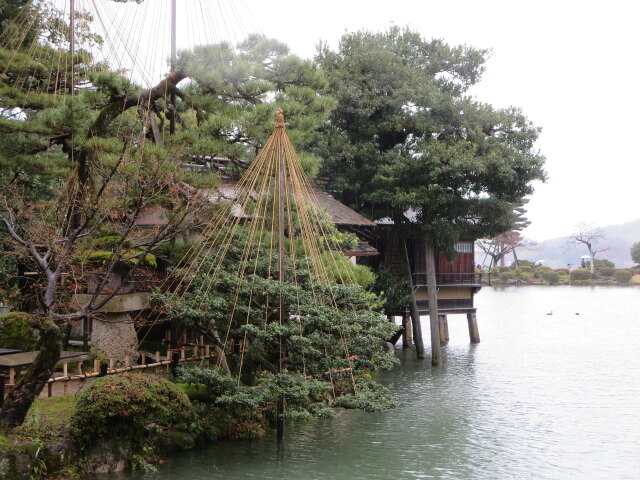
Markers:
635,252
623,276
120,407
405,139
328,327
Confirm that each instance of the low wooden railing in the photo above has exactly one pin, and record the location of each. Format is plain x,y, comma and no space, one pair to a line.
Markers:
420,279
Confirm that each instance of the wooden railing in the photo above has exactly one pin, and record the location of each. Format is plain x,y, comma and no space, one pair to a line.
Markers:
420,279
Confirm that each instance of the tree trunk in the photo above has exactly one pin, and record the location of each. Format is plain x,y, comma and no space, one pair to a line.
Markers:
413,308
432,291
30,384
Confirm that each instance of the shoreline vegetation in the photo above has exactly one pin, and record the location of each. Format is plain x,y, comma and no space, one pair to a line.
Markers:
526,273
133,421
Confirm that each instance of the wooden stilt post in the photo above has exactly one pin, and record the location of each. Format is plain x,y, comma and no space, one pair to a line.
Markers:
474,334
49,389
413,308
432,292
407,338
443,336
446,328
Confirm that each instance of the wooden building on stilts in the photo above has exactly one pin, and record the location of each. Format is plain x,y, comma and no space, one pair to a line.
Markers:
457,282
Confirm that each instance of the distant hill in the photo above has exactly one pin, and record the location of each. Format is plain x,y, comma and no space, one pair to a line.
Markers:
556,253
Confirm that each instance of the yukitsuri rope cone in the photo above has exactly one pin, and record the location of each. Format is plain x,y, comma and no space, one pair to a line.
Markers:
269,224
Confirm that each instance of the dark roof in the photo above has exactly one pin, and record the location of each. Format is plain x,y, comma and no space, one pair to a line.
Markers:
339,212
362,250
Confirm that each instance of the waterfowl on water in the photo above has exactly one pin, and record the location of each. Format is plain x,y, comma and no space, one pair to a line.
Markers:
550,313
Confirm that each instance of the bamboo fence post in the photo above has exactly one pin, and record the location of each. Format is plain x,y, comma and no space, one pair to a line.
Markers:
96,366
65,386
111,363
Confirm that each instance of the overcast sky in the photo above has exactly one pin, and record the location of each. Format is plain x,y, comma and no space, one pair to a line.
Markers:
572,66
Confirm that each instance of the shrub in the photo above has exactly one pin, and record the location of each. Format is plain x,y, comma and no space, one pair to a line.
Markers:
552,278
506,276
120,406
16,332
581,274
623,276
606,271
562,271
526,268
604,263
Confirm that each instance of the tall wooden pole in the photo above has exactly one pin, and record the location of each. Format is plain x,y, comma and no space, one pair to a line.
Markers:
172,120
281,253
432,292
413,308
72,44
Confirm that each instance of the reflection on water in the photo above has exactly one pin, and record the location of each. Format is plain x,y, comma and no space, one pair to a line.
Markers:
542,397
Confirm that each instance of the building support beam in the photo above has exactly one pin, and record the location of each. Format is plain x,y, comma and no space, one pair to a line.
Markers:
444,334
413,308
432,294
474,334
446,328
407,337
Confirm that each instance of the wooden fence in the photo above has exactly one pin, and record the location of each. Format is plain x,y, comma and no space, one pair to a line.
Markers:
200,352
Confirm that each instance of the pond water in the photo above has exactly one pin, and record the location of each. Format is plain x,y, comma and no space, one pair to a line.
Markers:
542,397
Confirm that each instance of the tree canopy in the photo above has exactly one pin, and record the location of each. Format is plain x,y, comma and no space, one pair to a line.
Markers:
635,252
405,140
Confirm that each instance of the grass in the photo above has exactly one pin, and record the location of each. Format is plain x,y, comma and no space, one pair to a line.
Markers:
48,418
54,409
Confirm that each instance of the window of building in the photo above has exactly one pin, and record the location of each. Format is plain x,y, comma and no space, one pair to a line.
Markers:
463,247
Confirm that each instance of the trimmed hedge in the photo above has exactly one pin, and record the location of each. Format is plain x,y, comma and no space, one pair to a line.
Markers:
580,275
606,271
121,406
551,278
623,276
